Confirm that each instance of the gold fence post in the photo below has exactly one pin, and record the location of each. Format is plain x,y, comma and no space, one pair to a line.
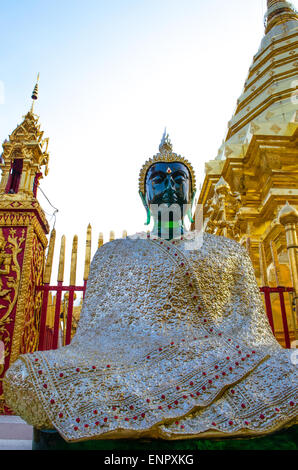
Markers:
73,265
48,312
263,265
248,247
72,295
60,279
49,262
60,276
100,240
58,297
88,253
275,261
288,217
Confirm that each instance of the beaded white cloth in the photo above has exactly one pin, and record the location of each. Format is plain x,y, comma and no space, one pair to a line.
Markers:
173,342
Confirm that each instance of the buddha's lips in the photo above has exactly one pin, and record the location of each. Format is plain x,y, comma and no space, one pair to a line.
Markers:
167,198
171,199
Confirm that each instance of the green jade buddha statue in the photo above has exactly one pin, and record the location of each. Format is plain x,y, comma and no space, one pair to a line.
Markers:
169,195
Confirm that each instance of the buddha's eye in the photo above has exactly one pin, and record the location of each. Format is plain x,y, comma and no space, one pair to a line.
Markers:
180,179
157,179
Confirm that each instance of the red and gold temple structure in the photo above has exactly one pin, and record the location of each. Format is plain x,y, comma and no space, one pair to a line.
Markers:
23,239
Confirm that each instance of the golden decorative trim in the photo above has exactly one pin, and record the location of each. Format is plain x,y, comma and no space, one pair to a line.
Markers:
26,219
18,202
10,262
20,313
30,336
27,140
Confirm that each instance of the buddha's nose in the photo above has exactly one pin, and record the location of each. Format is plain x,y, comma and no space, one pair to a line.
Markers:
170,183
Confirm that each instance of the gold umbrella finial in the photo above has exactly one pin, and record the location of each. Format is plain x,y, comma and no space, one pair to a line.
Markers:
34,95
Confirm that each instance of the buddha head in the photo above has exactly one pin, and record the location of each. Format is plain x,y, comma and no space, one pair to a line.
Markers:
167,189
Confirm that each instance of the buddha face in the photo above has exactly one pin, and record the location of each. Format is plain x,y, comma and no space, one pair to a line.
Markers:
168,183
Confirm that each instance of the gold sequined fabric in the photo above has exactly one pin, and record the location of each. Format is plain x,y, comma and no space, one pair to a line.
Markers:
173,342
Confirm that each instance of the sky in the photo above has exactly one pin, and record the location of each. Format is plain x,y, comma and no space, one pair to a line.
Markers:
113,75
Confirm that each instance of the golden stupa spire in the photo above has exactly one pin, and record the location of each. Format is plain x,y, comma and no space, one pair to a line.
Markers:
279,12
271,2
34,95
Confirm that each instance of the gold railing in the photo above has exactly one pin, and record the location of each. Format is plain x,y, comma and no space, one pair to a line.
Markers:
59,314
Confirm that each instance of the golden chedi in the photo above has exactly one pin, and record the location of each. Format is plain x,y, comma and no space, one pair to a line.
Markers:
258,157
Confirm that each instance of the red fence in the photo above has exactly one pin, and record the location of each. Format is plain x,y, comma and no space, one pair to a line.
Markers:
49,336
267,291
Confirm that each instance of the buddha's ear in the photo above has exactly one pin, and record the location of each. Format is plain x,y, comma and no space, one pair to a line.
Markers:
146,207
193,197
189,212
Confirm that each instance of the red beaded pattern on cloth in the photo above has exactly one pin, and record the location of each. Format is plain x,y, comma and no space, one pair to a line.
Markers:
195,388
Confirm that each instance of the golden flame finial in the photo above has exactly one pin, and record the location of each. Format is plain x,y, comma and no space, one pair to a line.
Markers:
165,144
